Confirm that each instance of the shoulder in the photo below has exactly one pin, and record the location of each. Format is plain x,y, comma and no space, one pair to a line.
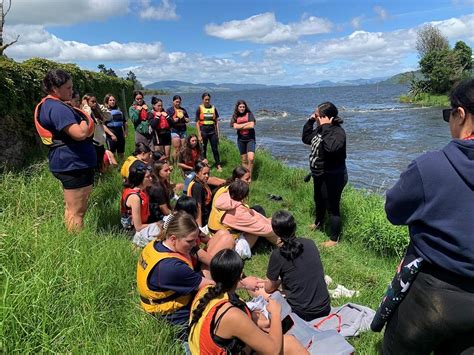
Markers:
251,116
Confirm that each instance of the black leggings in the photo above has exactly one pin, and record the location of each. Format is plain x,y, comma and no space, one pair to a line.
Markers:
436,315
327,196
210,135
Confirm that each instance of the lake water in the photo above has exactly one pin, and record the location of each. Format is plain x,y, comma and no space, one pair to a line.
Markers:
383,135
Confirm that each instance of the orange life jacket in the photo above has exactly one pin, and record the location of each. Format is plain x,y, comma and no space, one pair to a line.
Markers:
46,135
208,198
207,115
143,113
126,211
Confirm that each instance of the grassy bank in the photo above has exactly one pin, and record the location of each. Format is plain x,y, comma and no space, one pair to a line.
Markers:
63,293
426,100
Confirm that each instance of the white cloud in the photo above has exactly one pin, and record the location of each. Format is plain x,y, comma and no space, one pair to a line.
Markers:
35,41
166,10
381,12
356,22
64,12
264,28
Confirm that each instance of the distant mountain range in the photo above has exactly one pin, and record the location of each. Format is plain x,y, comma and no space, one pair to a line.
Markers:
175,86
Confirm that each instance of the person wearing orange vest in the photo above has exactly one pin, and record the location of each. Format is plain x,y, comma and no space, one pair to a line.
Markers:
138,113
167,272
243,121
67,132
207,126
221,323
160,123
178,132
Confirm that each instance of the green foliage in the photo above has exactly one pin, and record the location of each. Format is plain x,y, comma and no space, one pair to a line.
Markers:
464,54
107,71
20,85
426,99
430,39
442,69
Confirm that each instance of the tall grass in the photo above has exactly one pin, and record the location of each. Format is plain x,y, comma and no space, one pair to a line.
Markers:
426,99
76,293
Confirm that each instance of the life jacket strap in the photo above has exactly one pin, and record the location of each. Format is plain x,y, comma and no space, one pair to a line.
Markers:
160,301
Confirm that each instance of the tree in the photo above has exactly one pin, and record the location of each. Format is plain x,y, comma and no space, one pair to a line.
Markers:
3,14
133,78
464,54
429,39
442,69
107,71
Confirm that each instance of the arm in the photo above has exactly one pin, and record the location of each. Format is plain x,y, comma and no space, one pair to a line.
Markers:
271,286
78,132
308,131
237,324
205,282
405,200
164,209
134,202
334,138
133,114
199,214
109,132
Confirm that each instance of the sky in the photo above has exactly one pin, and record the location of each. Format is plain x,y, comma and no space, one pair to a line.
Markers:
226,41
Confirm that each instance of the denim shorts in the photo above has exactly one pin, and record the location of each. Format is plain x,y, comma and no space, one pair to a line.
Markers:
178,134
246,146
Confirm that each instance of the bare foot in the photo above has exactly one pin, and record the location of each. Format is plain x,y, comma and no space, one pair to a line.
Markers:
316,227
328,244
219,169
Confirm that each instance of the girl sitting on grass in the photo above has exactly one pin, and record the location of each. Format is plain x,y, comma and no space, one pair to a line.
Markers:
135,207
296,265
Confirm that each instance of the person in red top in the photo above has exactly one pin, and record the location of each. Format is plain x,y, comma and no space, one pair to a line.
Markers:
134,205
190,154
243,122
161,124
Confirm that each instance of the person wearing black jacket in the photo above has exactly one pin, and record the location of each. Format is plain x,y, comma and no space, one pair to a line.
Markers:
327,162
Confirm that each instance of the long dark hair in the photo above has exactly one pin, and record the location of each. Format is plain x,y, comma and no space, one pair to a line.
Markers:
187,204
226,270
136,174
157,180
141,148
237,173
236,109
463,95
329,110
284,226
96,112
187,151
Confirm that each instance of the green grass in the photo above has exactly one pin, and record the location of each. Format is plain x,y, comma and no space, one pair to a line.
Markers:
76,293
426,99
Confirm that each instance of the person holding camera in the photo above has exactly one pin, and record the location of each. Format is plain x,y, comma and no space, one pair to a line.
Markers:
327,162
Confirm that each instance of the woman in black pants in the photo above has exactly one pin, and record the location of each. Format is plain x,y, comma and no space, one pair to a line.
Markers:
327,162
207,127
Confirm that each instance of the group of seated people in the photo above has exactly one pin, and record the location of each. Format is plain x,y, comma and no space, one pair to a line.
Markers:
188,270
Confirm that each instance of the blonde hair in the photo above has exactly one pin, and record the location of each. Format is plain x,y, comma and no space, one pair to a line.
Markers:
179,224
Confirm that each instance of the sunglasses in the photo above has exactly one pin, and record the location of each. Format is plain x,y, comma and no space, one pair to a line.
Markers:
447,114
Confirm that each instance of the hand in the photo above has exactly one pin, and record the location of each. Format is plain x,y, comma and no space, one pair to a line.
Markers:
114,137
274,308
139,108
125,134
205,161
325,120
252,283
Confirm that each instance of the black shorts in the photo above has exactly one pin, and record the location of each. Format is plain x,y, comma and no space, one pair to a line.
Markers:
162,139
75,179
100,151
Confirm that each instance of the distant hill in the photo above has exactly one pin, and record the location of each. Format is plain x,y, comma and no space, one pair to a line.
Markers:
403,78
176,86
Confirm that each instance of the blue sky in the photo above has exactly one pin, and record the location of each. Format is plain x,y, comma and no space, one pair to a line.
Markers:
270,42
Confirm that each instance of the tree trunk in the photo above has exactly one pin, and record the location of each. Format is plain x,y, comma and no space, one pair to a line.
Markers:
1,23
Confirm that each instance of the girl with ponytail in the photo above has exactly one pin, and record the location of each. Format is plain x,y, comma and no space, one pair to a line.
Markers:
220,321
296,265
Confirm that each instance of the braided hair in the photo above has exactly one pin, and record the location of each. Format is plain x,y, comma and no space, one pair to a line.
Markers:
226,270
284,226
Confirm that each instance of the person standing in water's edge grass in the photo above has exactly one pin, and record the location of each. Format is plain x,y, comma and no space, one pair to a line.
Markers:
327,162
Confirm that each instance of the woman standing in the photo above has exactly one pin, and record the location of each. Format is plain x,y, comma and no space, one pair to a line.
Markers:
327,162
89,105
72,156
178,131
117,125
244,122
161,127
207,126
434,197
138,113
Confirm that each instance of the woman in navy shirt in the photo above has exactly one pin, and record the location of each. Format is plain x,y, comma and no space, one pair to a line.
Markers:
72,157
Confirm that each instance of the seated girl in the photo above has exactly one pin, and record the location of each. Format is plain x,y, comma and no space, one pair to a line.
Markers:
142,153
296,265
190,154
167,271
134,206
221,323
230,212
160,191
201,192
